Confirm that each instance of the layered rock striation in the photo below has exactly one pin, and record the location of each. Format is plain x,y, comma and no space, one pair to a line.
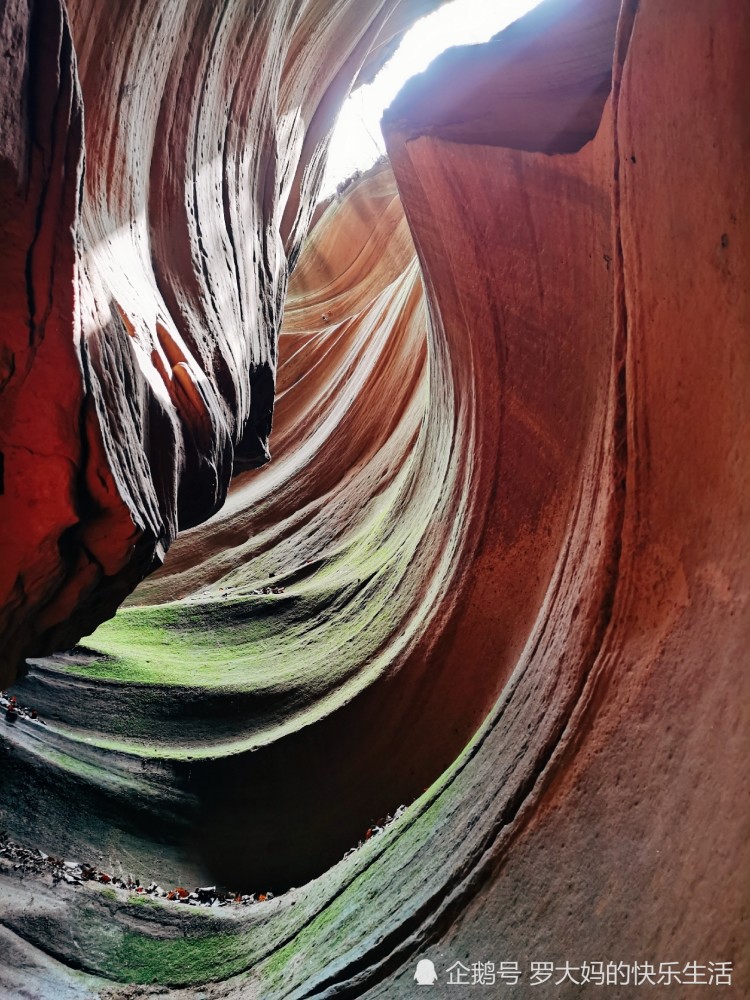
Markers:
159,173
497,570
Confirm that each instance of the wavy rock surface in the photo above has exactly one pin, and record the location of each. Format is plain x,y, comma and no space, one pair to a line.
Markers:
507,510
142,297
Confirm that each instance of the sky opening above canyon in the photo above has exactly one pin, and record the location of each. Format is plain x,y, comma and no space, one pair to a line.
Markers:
357,141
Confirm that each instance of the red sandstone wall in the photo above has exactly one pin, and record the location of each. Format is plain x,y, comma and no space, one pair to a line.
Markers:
578,594
158,174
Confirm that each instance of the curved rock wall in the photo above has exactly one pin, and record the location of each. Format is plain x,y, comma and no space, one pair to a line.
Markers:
142,295
497,571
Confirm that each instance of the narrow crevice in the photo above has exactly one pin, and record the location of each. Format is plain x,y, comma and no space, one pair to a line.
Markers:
439,913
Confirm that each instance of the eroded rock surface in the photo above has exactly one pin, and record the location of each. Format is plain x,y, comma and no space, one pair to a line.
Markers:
158,174
498,568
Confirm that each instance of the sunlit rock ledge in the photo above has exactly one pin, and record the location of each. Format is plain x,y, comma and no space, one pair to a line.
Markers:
497,568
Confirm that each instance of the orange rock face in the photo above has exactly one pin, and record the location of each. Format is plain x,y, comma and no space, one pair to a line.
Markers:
498,570
157,174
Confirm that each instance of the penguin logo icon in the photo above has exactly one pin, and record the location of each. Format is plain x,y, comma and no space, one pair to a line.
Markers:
425,974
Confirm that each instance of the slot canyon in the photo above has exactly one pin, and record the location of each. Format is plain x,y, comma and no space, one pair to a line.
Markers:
383,559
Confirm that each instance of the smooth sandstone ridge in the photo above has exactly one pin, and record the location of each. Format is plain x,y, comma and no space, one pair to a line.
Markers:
498,567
